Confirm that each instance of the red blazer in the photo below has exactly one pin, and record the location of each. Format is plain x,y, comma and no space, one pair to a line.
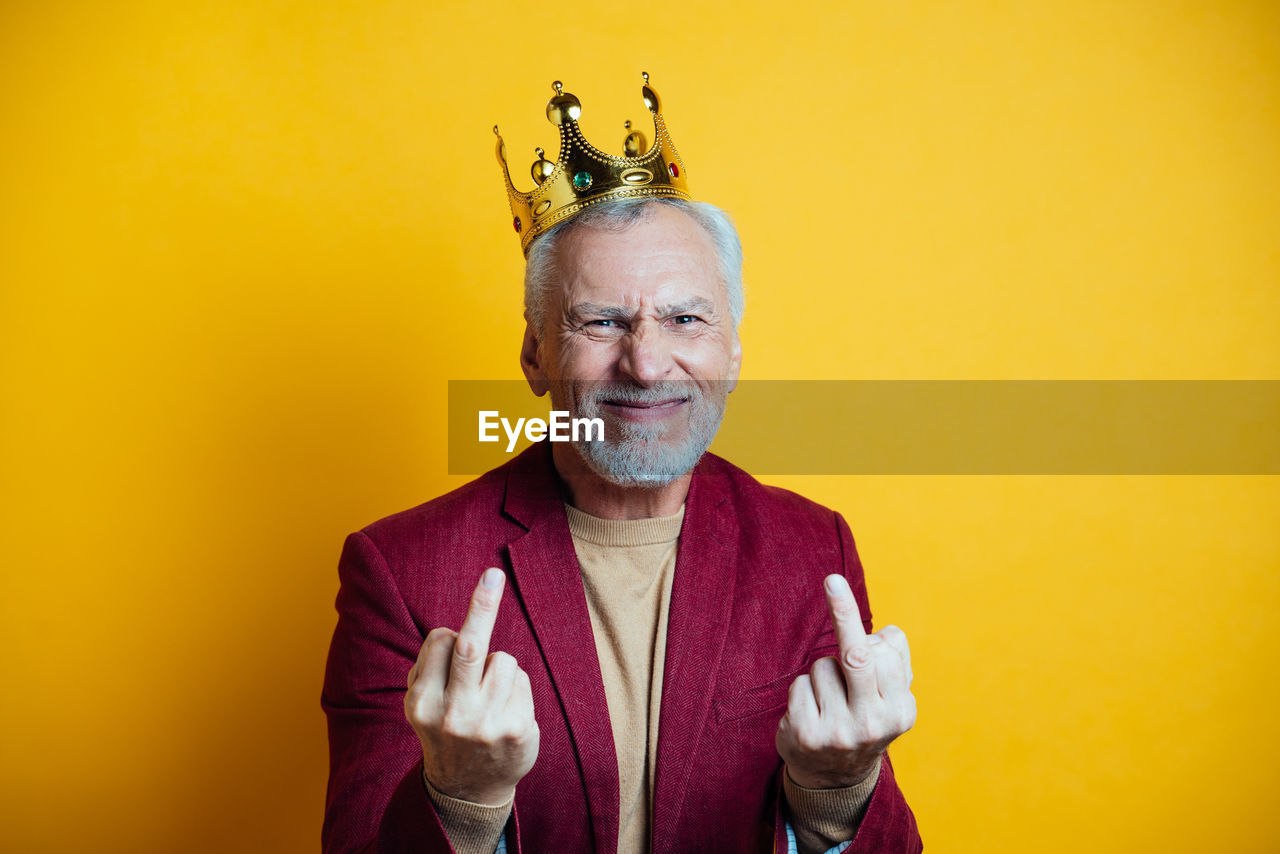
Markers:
747,616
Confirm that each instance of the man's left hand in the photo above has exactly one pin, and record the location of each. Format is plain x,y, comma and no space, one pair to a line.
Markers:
842,714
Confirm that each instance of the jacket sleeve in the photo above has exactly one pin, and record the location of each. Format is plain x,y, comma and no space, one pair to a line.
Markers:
377,801
888,826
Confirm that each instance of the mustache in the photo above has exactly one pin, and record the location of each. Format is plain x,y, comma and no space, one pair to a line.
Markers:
629,393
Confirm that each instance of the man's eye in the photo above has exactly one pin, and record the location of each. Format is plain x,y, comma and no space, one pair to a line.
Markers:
607,324
682,319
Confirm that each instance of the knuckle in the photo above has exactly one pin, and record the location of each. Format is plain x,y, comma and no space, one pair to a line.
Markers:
442,648
418,714
863,725
858,658
457,725
434,643
818,743
521,734
909,712
845,607
808,739
842,740
483,599
436,634
889,658
466,651
800,694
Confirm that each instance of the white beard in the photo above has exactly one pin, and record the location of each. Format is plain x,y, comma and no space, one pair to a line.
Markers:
647,454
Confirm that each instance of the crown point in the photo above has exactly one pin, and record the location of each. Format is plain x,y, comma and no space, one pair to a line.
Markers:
650,97
501,147
563,109
558,86
645,75
634,144
542,168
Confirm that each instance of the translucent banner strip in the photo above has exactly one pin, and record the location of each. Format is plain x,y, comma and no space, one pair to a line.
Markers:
824,427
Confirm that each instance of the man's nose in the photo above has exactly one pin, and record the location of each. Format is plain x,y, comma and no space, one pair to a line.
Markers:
646,355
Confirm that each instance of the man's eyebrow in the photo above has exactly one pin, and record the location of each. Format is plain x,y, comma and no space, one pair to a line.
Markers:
595,309
693,305
579,311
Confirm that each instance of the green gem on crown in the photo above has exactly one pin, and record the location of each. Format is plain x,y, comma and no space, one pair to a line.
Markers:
582,181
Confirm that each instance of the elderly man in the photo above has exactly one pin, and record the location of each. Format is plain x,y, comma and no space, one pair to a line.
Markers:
653,651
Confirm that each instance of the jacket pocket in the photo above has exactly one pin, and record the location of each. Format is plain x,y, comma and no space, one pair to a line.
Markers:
770,696
773,694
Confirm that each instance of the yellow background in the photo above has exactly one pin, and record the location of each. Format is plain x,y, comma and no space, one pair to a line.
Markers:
244,245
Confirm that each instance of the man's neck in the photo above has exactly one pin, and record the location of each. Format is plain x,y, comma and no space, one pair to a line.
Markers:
592,494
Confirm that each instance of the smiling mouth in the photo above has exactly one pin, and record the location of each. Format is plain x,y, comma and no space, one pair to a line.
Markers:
644,411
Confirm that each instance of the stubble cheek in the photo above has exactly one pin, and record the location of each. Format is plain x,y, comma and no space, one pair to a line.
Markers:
563,391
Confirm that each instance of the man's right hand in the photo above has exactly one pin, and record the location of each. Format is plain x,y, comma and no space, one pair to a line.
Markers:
472,710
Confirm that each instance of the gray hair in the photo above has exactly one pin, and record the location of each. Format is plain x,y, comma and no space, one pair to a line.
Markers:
541,275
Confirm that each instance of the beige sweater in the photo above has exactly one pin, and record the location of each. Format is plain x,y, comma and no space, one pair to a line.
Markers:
627,569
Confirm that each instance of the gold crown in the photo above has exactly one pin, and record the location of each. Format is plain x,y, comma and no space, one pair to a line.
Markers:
584,175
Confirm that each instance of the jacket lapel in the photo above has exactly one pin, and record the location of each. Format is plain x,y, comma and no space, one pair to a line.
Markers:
701,607
549,584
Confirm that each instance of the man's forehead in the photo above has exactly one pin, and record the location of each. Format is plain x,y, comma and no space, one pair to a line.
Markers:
671,290
663,233
639,263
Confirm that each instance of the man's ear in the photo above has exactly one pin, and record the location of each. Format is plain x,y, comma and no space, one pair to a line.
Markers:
531,361
735,361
